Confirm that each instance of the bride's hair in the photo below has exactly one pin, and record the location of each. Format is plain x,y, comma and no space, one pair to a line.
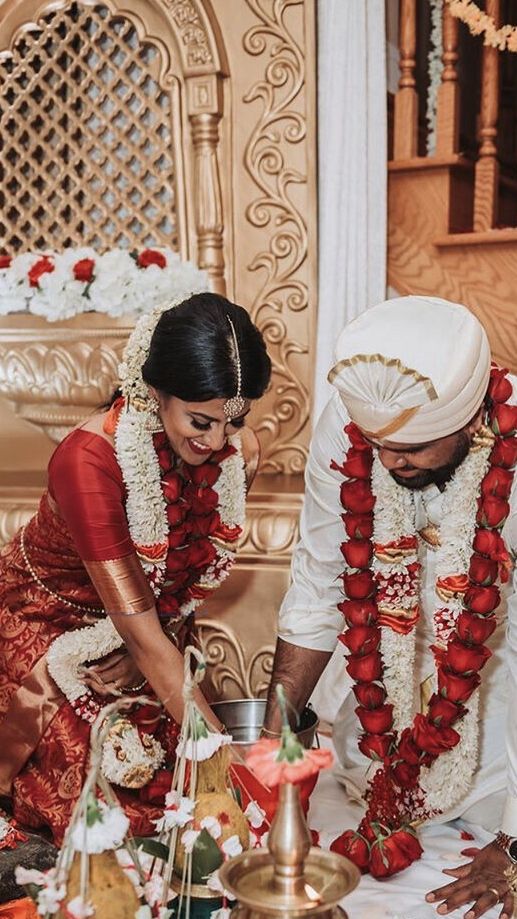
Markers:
192,355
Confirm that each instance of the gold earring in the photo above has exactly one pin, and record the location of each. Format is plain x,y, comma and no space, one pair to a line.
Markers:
483,437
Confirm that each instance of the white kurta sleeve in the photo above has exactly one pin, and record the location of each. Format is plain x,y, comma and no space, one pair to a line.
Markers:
509,822
309,616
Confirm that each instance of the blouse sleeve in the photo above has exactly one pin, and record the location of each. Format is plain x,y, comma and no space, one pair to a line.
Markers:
86,483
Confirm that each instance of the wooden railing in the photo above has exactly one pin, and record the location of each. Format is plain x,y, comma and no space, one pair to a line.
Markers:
482,149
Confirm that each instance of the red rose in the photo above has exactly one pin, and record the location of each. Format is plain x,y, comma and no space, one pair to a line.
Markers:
394,853
405,775
353,846
463,659
151,257
359,586
499,389
172,485
83,270
357,496
483,570
358,526
356,438
167,605
376,746
482,600
359,612
205,526
176,513
202,553
164,458
357,552
177,560
457,688
492,511
498,482
159,786
503,419
5,261
365,669
202,500
407,748
504,452
369,695
442,711
206,474
44,265
358,464
375,720
361,639
490,543
475,629
177,537
432,739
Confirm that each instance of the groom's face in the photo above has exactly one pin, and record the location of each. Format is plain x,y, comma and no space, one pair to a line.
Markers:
419,465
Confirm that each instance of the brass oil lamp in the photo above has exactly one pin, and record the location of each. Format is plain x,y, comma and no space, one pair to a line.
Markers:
290,878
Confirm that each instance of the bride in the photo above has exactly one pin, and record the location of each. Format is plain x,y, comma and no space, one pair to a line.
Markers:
145,504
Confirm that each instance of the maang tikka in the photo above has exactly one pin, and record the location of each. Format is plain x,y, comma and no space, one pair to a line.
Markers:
235,406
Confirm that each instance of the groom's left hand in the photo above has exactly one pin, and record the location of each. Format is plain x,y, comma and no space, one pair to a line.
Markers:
477,883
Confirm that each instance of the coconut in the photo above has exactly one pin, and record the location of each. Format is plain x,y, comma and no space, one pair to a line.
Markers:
110,891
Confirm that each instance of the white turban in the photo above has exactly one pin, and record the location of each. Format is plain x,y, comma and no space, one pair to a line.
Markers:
412,369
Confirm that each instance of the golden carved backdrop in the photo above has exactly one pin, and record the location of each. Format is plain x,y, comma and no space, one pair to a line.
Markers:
185,123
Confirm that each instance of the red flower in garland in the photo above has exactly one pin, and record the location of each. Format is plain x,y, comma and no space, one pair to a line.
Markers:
358,526
361,639
44,265
355,847
357,552
393,853
499,389
359,612
357,496
360,585
84,269
504,452
151,257
5,261
503,419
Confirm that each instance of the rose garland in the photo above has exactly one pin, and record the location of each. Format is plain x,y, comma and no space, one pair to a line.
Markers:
385,841
480,23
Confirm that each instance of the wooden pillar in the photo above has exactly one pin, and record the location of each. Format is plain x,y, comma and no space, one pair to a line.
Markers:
405,140
487,168
448,107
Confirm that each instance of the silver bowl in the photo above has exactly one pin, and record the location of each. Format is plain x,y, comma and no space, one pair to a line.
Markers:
243,719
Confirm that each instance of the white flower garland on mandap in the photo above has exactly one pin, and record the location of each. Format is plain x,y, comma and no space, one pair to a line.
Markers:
59,285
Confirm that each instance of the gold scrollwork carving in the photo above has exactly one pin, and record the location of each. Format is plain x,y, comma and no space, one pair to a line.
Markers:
192,31
231,673
284,289
269,535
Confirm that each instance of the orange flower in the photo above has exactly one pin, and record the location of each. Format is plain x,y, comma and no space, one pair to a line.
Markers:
274,761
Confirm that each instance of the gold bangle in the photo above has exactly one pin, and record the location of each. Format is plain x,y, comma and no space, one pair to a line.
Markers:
136,688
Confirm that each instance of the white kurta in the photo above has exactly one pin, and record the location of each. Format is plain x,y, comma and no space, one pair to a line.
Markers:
309,618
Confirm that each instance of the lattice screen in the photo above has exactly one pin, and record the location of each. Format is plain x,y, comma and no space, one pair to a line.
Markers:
87,149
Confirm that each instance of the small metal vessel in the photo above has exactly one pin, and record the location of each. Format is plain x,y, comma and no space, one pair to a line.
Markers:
290,878
243,719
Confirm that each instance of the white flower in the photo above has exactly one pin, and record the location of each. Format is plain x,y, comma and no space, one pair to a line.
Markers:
178,811
213,882
153,890
164,912
108,832
78,909
143,912
25,876
204,747
49,899
189,838
212,826
223,913
255,815
232,846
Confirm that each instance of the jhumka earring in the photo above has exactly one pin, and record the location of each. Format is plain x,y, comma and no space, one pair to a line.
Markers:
235,406
484,437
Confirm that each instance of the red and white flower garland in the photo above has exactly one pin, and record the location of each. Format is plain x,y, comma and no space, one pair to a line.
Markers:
417,768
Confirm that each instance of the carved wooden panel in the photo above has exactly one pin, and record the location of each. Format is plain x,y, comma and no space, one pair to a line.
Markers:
88,157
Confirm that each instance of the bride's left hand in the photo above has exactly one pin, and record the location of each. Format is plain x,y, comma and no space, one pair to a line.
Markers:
113,675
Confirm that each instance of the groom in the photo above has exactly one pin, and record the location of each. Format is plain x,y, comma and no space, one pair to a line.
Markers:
408,490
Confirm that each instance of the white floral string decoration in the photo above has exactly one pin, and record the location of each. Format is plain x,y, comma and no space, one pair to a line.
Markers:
434,72
59,285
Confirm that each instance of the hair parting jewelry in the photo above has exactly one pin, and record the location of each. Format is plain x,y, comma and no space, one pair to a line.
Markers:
236,405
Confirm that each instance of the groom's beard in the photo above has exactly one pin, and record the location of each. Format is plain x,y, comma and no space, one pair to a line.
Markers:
440,476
